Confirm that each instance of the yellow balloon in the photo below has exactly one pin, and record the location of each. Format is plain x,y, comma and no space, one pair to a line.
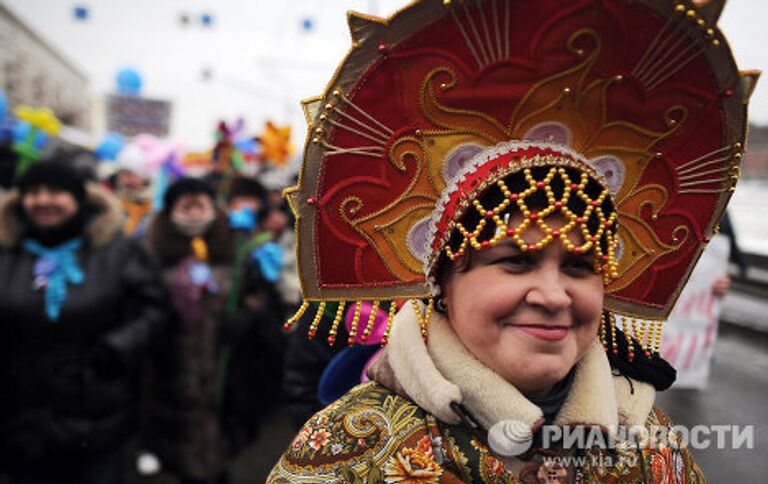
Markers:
43,119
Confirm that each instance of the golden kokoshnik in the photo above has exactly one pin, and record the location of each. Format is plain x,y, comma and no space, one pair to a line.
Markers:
447,130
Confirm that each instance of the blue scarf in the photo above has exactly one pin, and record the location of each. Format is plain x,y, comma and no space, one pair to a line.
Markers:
54,268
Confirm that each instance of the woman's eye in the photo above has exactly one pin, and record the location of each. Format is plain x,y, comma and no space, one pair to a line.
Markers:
579,265
518,261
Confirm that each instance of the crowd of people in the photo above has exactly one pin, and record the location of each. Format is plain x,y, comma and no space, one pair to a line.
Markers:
129,322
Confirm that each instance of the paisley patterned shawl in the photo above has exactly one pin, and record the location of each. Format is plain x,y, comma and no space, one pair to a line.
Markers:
373,435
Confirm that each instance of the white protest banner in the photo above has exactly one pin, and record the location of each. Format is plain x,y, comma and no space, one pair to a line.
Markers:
689,334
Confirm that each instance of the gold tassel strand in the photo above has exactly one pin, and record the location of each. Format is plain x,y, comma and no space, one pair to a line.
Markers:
657,327
424,319
427,319
636,325
603,332
390,318
371,320
643,324
628,337
355,320
336,321
315,322
295,318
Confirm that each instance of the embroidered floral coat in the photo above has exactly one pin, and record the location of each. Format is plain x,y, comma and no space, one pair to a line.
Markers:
372,435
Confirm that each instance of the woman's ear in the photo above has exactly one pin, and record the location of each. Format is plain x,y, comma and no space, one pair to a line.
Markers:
441,306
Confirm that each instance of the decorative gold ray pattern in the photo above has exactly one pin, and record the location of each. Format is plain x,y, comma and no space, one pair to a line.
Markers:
440,121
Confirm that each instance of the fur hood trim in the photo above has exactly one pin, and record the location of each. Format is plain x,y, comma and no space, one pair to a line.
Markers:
444,372
103,228
170,247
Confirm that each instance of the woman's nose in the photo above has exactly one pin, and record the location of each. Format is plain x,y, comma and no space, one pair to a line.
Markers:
548,291
43,197
195,212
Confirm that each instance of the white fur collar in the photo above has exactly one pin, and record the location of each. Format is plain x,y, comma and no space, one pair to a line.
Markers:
444,371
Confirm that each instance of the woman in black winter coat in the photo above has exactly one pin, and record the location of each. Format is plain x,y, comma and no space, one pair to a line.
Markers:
69,362
219,370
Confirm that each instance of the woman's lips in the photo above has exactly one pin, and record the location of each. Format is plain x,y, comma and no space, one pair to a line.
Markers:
548,333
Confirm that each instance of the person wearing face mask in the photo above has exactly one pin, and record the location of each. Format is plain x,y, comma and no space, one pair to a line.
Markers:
222,335
253,343
80,307
244,306
192,242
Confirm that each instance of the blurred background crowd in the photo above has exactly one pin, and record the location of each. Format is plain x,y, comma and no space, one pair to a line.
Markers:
160,281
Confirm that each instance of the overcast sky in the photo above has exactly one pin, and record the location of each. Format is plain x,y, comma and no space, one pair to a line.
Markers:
264,56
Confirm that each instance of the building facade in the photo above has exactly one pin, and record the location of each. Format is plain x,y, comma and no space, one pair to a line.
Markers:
33,73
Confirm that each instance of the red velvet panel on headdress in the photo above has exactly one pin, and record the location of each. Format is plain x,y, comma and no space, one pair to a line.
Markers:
646,91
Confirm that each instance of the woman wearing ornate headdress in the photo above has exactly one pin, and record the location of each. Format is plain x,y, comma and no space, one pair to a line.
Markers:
539,179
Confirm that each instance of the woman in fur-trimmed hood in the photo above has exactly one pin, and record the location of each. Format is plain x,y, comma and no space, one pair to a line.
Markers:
80,305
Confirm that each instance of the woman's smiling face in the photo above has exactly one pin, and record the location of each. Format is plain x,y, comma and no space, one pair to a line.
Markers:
530,317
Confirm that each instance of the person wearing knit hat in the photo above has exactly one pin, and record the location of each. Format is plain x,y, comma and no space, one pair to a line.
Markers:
53,202
135,193
257,270
54,174
80,305
189,224
136,180
216,341
191,242
246,187
186,186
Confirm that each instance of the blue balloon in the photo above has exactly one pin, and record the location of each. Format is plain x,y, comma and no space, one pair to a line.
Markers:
129,82
6,129
6,122
247,145
110,146
20,131
307,24
81,12
40,140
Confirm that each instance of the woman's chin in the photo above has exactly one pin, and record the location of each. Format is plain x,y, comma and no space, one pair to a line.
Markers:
541,374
